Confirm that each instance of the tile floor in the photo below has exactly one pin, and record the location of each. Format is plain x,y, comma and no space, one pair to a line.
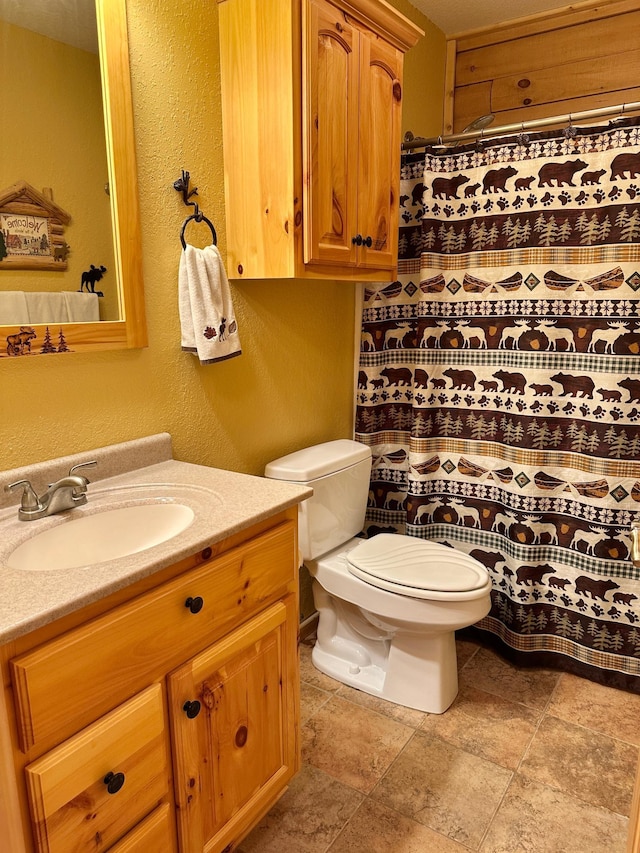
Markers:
524,760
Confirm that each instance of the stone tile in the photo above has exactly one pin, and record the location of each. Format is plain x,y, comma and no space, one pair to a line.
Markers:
377,829
445,788
406,716
486,725
536,819
311,700
488,671
352,744
307,818
313,676
586,764
465,650
604,709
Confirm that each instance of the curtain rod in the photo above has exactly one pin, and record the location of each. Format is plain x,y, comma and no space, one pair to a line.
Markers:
410,141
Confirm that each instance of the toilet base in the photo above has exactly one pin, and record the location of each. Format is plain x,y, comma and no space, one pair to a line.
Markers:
420,671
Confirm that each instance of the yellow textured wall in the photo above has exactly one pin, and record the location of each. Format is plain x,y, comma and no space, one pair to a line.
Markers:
293,383
424,67
57,141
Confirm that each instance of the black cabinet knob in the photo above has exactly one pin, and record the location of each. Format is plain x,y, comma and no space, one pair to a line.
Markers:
357,240
191,709
114,781
194,604
368,242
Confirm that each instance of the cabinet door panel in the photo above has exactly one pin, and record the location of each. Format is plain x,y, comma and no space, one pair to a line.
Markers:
72,807
330,135
236,751
379,163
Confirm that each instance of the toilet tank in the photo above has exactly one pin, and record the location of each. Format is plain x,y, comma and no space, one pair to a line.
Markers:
339,473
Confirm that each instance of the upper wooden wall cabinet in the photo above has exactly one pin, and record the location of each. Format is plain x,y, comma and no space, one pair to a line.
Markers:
311,106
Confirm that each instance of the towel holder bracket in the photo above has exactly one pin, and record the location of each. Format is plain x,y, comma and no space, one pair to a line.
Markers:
182,186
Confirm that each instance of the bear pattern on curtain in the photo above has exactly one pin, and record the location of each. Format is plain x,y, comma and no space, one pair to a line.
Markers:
499,385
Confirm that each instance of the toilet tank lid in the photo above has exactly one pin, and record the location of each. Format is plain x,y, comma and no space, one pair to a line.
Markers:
311,463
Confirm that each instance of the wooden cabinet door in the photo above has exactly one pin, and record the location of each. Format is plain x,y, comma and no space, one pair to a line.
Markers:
234,724
330,135
380,112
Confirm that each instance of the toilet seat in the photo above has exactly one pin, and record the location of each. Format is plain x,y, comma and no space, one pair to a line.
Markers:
417,567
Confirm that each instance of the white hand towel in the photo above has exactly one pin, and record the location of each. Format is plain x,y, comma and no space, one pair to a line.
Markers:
46,307
81,307
208,324
13,308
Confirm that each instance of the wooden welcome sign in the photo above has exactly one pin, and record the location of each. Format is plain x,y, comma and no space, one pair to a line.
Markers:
31,230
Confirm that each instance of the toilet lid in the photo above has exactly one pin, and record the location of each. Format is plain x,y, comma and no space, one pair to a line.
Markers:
415,567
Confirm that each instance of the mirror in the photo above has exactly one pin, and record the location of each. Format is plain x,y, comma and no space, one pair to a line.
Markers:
111,221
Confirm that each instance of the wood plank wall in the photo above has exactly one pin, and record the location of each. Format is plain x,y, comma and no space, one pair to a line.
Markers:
579,57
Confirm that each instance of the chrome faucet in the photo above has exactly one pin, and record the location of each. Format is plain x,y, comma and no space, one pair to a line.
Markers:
66,493
635,543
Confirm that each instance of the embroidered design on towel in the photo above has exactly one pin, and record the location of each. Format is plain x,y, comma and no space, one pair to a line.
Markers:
223,331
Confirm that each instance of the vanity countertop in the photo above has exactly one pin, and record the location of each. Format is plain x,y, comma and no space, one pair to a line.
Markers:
224,502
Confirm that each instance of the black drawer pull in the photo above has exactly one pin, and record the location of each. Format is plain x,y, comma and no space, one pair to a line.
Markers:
191,709
114,781
195,605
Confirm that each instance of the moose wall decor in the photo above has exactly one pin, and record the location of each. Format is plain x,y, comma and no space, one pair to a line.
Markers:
90,278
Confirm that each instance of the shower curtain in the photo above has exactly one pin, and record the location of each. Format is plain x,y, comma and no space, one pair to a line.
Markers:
499,385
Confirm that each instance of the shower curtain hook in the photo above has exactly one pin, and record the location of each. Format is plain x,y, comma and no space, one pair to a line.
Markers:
619,118
523,138
570,131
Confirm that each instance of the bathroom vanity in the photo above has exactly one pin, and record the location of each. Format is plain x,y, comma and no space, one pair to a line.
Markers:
150,702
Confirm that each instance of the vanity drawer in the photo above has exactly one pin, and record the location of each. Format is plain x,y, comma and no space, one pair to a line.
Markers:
73,804
94,667
153,835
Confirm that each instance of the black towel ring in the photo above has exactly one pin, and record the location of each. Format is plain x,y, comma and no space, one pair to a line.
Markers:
182,186
199,217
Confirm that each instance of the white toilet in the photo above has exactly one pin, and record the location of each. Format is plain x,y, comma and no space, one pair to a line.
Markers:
389,605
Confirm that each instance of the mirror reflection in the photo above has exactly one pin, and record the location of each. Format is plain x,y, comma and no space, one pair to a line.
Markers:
55,211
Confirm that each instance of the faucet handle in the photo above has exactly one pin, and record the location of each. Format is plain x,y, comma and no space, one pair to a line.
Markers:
30,499
73,470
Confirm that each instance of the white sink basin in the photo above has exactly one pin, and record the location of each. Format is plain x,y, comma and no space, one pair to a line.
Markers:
100,537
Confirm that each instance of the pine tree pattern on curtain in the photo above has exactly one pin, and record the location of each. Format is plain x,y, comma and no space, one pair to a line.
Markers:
499,385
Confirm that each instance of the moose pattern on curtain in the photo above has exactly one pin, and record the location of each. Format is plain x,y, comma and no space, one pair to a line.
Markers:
499,385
